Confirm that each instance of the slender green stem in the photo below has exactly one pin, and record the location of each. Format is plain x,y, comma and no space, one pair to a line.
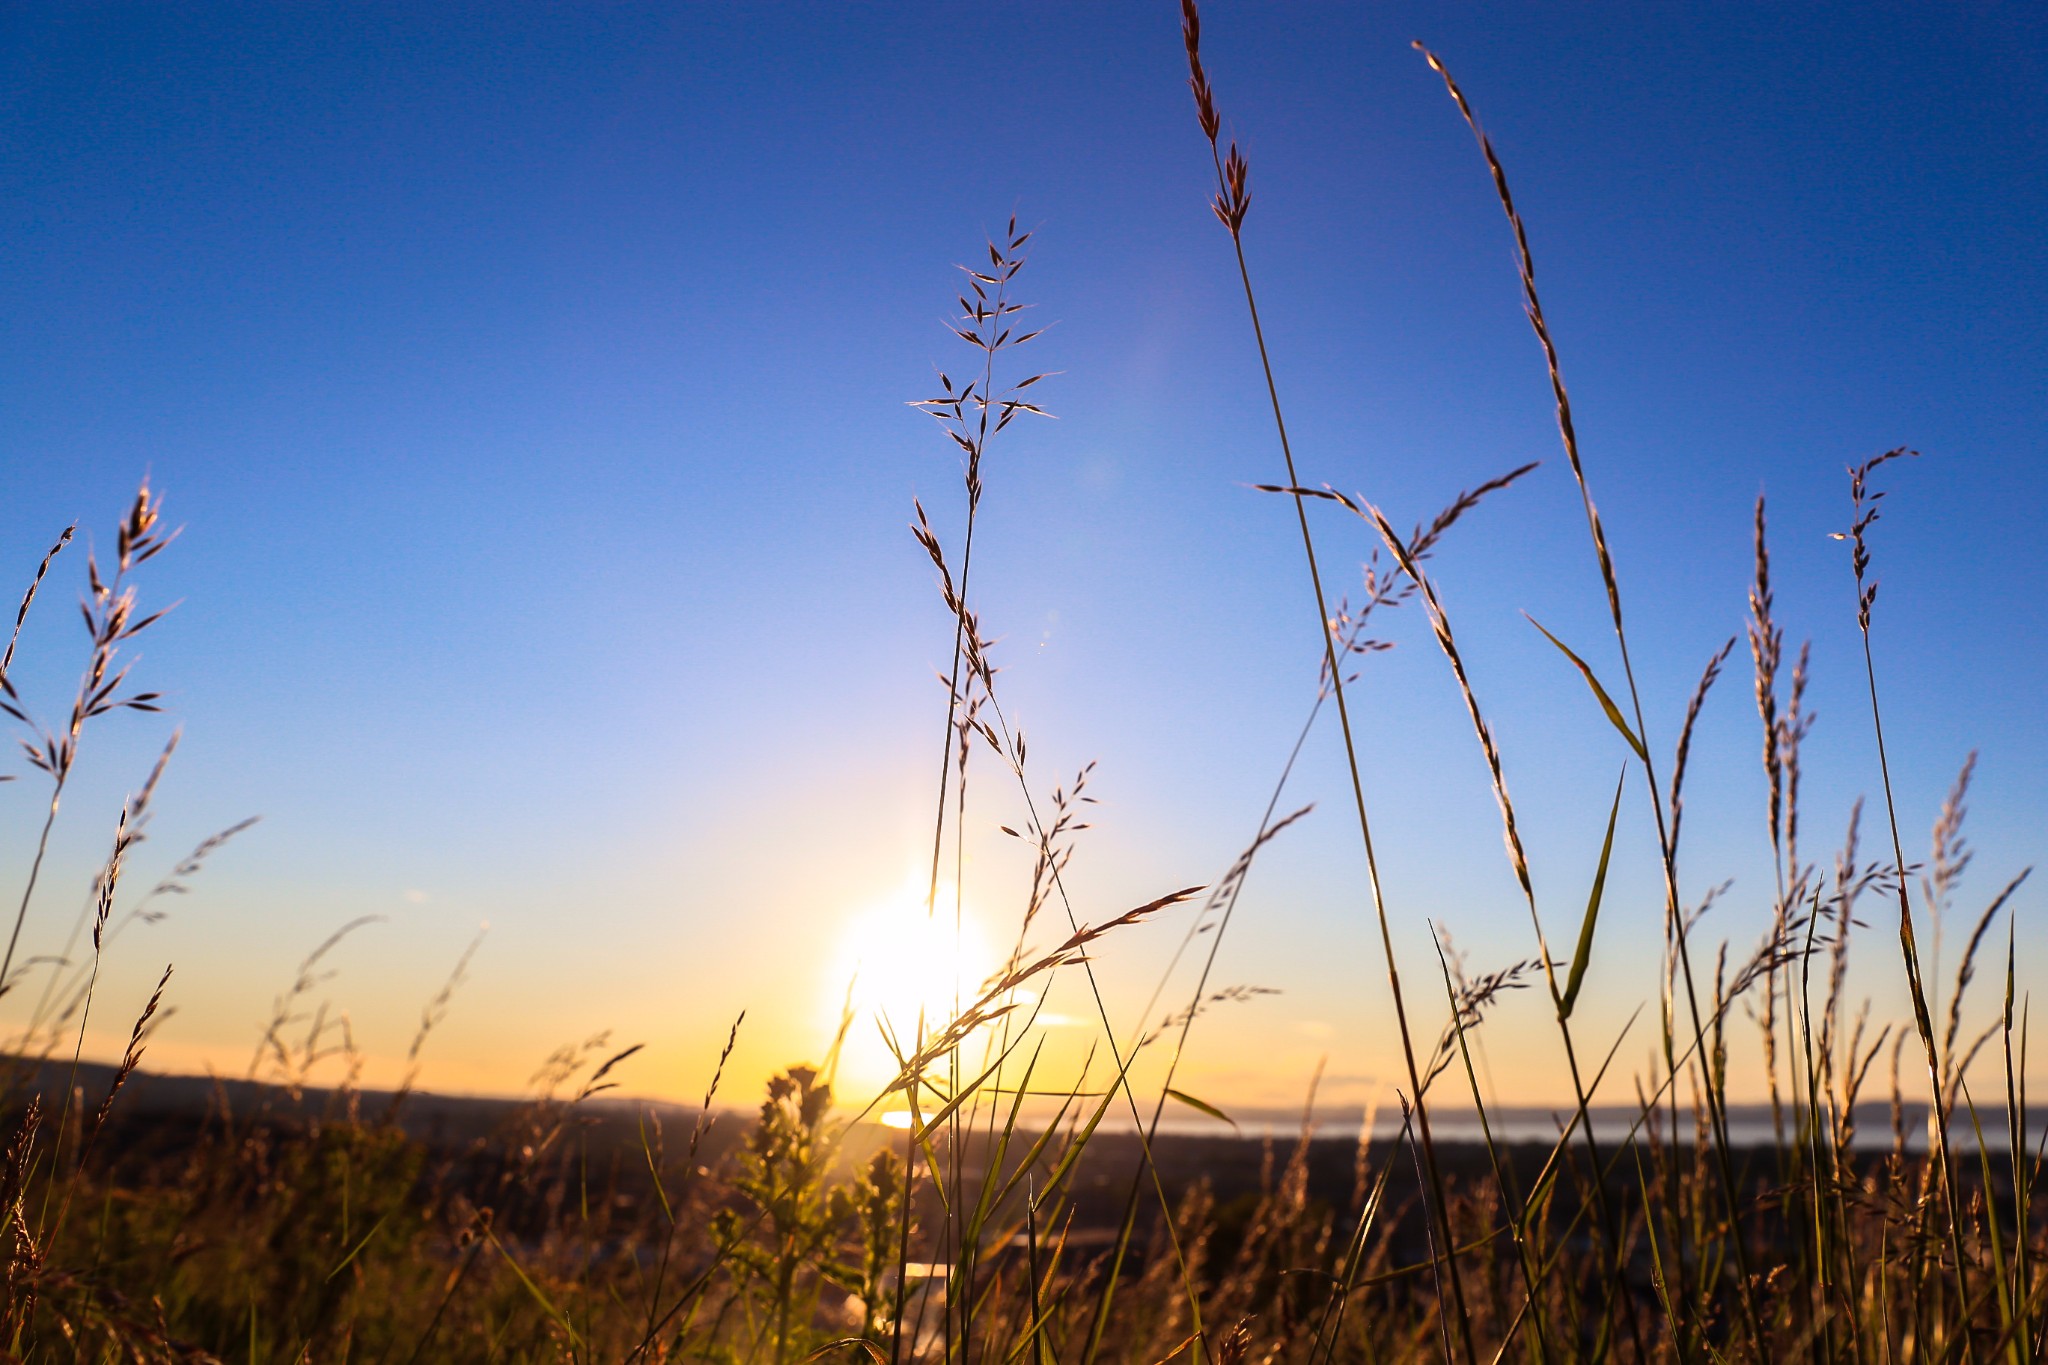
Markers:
35,870
1439,1207
1945,1171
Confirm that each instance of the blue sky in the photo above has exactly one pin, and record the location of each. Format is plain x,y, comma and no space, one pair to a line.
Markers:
531,382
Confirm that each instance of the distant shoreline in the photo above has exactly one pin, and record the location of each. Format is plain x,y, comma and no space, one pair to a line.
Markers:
435,1115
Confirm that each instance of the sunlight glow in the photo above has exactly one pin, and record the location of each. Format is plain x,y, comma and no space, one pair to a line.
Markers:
904,963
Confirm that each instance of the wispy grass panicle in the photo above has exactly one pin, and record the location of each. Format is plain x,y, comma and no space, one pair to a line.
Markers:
294,1062
970,415
1532,304
1865,510
110,611
28,598
1682,751
1780,745
1955,1065
1949,856
1766,650
1792,733
146,1023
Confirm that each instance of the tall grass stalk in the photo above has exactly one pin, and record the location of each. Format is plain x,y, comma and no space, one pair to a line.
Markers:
1233,200
1675,919
1865,512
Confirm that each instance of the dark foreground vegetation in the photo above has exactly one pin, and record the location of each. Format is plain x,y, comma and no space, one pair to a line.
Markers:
259,1221
271,1221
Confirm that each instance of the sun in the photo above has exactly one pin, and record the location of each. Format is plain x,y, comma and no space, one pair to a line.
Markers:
902,964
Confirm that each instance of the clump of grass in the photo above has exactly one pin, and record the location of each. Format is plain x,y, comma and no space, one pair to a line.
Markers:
1023,1215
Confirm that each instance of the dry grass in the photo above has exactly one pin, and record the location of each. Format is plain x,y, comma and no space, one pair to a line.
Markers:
1027,1217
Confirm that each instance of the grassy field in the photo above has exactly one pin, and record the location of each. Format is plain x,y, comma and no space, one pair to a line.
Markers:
1882,1216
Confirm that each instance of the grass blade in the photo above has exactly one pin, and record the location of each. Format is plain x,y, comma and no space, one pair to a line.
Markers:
1202,1105
1614,716
1583,953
